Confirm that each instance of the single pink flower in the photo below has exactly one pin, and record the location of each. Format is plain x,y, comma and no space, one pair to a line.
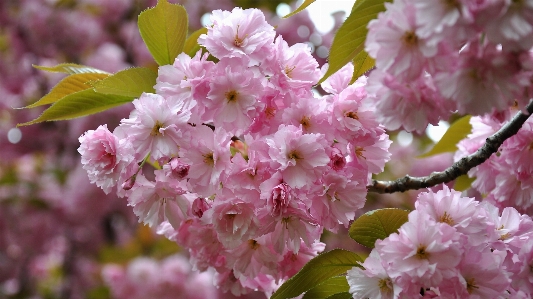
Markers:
156,126
240,34
104,156
232,101
300,157
393,41
293,67
233,219
159,201
423,251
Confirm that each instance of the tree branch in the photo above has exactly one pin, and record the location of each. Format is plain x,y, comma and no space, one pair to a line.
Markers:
458,168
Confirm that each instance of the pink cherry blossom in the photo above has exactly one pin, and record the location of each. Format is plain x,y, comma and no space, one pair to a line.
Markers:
156,126
233,220
393,41
424,251
239,33
309,113
337,82
162,200
253,257
514,27
410,106
293,67
340,198
208,155
372,281
104,157
233,96
483,81
299,156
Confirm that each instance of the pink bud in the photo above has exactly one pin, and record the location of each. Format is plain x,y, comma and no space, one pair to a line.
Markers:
199,206
129,183
338,161
179,169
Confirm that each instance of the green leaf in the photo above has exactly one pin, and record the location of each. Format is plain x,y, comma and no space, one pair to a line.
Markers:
69,85
343,295
131,82
164,29
316,271
79,104
362,63
455,133
191,44
99,292
332,286
377,225
463,182
305,4
70,68
349,40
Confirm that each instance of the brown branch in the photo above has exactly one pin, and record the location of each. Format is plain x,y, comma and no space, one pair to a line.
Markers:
458,168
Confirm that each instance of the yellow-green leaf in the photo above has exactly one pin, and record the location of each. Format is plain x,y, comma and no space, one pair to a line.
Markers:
131,82
79,104
463,182
455,133
191,44
332,286
305,4
70,68
362,63
164,29
377,225
317,271
69,85
350,38
343,295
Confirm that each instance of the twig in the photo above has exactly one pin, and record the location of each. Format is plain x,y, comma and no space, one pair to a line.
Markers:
458,168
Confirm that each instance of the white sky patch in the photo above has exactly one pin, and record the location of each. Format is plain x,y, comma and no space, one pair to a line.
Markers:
14,135
320,12
404,138
435,133
206,19
283,9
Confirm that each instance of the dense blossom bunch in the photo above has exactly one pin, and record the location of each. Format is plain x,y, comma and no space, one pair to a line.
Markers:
451,247
252,165
434,58
506,178
147,278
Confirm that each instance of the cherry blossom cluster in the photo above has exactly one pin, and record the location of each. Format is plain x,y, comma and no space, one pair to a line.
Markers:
505,179
451,247
434,58
170,278
251,166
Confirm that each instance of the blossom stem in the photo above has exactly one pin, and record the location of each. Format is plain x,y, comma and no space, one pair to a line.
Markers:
460,167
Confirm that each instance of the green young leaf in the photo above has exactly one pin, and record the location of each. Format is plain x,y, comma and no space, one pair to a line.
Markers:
455,133
350,38
316,271
463,182
191,44
69,85
305,4
131,82
79,104
334,285
362,63
164,29
70,68
343,295
377,225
